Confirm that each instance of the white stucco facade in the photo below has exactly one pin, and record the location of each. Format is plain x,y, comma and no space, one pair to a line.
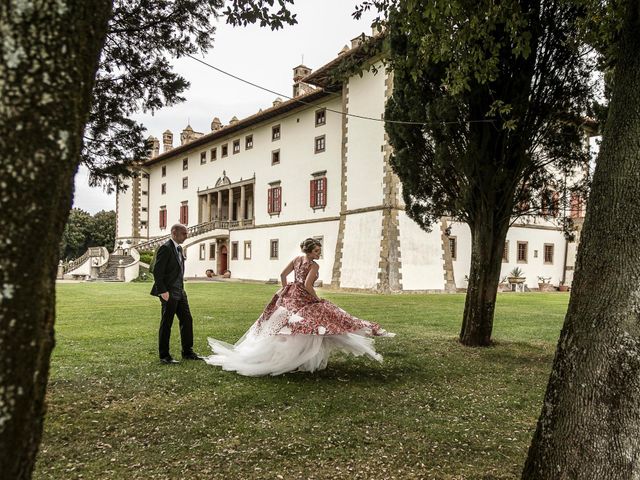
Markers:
368,240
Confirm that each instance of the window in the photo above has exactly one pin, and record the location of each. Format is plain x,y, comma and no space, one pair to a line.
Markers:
214,154
275,157
163,188
144,192
144,209
275,132
549,203
247,250
505,252
185,164
234,250
320,144
184,214
212,251
576,205
453,247
203,158
164,170
163,217
273,249
203,251
185,182
236,146
274,200
321,117
224,150
143,224
522,252
318,193
548,253
248,142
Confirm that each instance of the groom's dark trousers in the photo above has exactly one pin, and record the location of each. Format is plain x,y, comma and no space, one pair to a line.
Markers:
168,273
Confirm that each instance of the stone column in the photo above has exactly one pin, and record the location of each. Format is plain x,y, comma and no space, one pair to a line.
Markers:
219,205
208,209
241,204
230,204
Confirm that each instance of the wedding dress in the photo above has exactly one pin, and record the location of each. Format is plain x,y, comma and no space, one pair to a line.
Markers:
296,332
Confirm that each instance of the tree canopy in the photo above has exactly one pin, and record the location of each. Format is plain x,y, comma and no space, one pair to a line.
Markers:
135,73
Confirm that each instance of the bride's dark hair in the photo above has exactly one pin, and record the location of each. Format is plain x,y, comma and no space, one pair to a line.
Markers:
309,244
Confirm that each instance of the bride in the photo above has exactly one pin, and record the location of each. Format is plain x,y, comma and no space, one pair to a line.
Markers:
297,331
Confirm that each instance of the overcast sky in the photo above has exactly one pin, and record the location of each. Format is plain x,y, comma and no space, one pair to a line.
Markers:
255,54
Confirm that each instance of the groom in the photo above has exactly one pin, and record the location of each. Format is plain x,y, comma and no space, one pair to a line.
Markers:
168,274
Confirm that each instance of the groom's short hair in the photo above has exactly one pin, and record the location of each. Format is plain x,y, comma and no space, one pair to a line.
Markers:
177,226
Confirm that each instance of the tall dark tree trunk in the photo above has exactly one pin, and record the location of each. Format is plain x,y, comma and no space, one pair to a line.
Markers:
589,427
487,245
49,51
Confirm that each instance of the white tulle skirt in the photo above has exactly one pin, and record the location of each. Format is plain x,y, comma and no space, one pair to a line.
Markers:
277,354
270,348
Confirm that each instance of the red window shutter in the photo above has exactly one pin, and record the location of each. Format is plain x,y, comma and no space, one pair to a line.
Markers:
186,214
312,193
269,200
279,202
160,220
324,191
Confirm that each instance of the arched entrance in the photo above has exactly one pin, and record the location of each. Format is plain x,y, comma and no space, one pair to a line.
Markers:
223,260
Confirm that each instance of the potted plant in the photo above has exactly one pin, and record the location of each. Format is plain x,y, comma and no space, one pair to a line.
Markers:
515,276
563,287
503,286
544,284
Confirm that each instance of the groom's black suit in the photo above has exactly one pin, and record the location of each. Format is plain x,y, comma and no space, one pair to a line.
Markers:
168,274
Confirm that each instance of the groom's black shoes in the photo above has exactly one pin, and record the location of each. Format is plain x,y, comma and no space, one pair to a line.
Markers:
192,356
168,360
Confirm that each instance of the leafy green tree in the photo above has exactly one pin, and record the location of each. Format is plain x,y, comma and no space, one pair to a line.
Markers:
497,92
590,421
74,237
102,231
135,73
52,53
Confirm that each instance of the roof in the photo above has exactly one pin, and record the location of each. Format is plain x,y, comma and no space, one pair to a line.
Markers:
326,76
283,107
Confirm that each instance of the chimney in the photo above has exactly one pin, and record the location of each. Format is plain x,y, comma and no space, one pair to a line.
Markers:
167,141
344,50
187,135
154,146
233,120
277,102
216,124
356,42
299,87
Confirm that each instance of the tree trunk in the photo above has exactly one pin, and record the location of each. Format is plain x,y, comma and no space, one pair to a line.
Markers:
50,51
589,427
487,245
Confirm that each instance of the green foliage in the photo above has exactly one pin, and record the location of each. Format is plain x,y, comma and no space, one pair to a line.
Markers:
497,92
146,256
83,231
426,412
135,73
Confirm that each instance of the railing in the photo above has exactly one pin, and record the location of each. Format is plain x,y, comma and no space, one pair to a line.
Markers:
196,230
92,252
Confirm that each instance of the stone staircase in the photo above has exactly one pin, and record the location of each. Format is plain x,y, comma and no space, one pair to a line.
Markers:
109,272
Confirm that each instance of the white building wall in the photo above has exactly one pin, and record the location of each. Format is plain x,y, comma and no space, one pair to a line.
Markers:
297,162
365,158
260,266
361,250
124,223
421,255
533,268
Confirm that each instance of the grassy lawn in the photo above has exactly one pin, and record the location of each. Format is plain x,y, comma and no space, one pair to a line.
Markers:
433,409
